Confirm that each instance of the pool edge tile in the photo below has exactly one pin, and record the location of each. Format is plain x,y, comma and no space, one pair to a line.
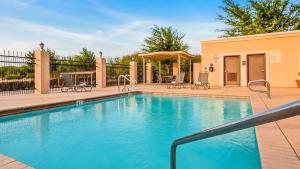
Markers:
273,146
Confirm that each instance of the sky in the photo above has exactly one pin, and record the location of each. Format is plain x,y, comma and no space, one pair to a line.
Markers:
116,27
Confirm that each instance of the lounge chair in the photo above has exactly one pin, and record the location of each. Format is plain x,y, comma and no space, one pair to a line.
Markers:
178,82
202,81
160,80
69,84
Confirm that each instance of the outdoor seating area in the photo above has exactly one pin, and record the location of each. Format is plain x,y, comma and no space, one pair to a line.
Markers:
178,82
77,81
178,76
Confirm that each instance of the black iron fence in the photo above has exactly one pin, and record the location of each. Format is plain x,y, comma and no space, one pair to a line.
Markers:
16,73
68,65
140,73
113,71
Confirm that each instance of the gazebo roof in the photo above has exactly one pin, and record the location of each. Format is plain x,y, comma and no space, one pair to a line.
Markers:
166,55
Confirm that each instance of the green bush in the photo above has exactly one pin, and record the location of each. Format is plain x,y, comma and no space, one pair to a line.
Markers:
13,76
29,75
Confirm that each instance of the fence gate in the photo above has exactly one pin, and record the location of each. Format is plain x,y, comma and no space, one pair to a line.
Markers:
140,73
16,73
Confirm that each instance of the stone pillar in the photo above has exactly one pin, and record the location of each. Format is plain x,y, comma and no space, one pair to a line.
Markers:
196,71
149,73
175,69
42,72
100,72
133,72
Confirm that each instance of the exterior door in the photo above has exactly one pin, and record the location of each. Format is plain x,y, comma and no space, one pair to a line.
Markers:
232,70
257,67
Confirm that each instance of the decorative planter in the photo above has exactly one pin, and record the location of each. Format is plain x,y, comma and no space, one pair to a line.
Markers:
298,83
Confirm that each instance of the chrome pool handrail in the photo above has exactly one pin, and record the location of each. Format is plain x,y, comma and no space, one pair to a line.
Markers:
267,92
125,78
271,115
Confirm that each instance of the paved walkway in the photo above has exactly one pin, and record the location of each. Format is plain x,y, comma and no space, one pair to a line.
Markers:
10,163
279,143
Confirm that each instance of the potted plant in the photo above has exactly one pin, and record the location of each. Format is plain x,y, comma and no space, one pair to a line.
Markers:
298,81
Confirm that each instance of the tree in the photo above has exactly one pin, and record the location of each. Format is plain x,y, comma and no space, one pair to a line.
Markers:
85,56
164,39
126,59
259,16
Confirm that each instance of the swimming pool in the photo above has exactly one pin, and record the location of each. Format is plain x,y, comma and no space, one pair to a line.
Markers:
132,132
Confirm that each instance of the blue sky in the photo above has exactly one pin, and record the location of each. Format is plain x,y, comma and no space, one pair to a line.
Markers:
116,27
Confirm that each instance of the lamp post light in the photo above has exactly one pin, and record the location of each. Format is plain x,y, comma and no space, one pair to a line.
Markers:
100,53
42,46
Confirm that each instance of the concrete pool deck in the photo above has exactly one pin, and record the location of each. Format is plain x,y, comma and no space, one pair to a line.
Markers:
10,163
279,142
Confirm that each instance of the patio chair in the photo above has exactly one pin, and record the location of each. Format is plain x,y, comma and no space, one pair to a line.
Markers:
84,86
202,81
160,80
178,82
68,83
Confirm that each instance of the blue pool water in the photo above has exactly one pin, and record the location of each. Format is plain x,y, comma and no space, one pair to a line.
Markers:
130,132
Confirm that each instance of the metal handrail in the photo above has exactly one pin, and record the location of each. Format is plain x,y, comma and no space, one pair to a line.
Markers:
126,78
267,84
271,115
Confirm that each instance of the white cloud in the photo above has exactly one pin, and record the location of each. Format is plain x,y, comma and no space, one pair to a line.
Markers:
113,40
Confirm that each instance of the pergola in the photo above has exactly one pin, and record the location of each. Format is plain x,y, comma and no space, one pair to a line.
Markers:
163,55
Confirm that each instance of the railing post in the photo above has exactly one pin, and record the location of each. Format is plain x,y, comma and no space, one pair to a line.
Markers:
133,73
42,71
100,72
173,157
149,73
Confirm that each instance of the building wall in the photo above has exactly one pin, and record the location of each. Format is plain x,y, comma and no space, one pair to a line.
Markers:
282,51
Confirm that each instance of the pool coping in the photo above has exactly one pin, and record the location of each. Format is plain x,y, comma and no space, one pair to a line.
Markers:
10,163
274,153
25,109
274,149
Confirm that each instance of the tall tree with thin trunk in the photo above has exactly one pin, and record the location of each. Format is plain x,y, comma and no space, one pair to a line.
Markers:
164,39
259,16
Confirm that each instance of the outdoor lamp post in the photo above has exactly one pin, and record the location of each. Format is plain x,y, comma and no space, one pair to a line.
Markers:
100,53
42,46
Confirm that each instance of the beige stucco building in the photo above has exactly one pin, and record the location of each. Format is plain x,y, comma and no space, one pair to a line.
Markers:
237,60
